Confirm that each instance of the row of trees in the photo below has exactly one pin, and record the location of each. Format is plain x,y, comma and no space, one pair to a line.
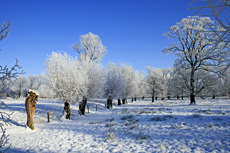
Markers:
70,83
17,87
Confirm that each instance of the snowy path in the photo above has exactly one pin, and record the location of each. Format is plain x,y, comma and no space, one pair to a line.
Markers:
162,126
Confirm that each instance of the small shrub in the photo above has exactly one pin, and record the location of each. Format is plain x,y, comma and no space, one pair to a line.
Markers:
116,112
223,112
110,137
135,121
141,136
211,125
133,127
96,122
206,112
175,126
126,123
109,120
144,111
209,112
110,124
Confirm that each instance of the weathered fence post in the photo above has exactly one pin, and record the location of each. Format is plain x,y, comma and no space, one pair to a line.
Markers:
48,116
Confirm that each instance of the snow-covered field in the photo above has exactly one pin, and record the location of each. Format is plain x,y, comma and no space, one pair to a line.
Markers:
143,126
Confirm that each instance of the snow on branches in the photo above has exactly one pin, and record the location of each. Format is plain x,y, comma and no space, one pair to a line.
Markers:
194,50
90,48
66,77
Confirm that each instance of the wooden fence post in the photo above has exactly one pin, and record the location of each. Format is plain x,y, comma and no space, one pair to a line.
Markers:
48,116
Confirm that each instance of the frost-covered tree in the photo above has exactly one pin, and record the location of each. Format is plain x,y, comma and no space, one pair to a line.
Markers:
66,77
115,83
219,9
164,82
129,76
91,50
178,83
96,79
214,86
90,47
152,82
35,81
31,82
193,49
226,83
142,83
19,84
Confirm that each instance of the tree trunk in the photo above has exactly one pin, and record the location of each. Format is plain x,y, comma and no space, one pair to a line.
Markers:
123,101
155,98
82,106
213,97
109,102
119,102
152,98
67,109
178,97
168,97
192,99
192,87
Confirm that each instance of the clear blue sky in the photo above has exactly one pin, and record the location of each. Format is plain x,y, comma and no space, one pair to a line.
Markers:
131,29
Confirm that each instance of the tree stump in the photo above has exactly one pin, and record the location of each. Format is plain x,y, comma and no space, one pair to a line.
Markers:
30,105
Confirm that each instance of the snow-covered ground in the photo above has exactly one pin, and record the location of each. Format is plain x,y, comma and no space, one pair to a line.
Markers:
142,126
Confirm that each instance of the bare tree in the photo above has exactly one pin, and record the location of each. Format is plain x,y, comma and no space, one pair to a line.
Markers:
6,74
5,29
219,9
193,50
